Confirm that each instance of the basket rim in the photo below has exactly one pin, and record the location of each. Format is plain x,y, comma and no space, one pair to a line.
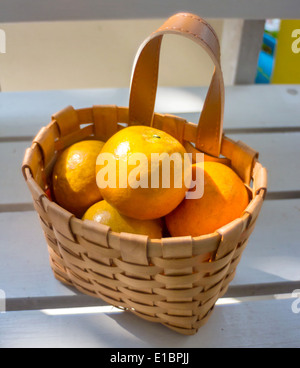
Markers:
84,116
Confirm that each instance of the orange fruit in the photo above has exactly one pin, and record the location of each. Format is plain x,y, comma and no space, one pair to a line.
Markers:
224,199
74,178
138,196
103,213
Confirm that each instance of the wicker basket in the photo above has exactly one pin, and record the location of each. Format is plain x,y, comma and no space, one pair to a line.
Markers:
169,280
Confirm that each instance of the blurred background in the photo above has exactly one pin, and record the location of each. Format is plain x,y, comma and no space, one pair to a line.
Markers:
99,54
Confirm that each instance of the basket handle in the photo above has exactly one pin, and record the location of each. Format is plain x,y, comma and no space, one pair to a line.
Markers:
145,77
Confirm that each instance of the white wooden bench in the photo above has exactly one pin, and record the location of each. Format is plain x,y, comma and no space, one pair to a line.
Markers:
261,306
39,309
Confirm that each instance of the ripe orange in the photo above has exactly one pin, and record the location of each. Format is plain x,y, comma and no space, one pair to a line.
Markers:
103,213
224,199
74,178
143,200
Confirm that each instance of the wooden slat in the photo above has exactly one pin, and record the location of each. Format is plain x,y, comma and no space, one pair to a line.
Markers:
22,114
251,107
41,10
250,47
251,324
278,152
24,259
271,256
272,253
13,187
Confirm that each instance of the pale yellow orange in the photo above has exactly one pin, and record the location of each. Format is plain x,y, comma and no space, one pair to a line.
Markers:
103,213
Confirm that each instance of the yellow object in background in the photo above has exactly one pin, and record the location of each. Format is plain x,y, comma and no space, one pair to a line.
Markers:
287,62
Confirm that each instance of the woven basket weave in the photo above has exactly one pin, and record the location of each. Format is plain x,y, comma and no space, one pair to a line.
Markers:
174,281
